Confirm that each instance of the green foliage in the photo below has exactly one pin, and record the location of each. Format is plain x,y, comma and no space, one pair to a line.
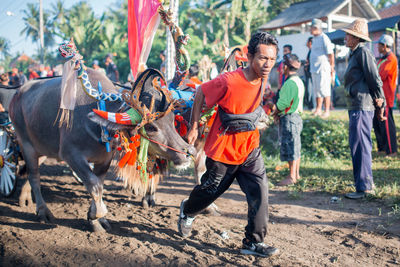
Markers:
4,47
326,172
31,20
320,139
277,6
379,4
325,139
210,24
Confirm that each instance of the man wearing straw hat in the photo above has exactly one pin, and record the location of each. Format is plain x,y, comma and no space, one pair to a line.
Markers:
365,96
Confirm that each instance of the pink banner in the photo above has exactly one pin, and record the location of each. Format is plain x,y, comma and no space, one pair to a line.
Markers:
143,20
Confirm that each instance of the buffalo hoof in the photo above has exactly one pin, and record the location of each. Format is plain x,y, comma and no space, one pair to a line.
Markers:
106,225
100,225
96,226
212,210
25,198
145,203
45,215
148,201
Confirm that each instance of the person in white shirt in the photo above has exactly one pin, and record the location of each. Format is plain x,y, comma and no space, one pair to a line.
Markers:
322,67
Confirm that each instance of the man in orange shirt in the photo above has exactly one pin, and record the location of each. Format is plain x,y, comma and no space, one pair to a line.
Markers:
230,154
385,131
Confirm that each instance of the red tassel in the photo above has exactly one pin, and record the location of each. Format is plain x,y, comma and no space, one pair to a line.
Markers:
132,159
182,130
124,160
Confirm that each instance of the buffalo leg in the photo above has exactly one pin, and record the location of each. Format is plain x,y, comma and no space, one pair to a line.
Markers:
31,160
149,200
199,165
100,170
25,198
93,184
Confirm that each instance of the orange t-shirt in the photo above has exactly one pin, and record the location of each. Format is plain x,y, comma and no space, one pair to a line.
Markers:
235,95
388,72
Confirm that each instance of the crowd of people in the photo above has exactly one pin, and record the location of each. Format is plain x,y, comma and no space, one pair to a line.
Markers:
373,79
16,77
370,90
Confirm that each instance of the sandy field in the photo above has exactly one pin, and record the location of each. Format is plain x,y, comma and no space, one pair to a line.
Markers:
310,229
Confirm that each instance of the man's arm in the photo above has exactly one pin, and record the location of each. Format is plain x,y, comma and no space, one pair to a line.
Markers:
116,74
331,58
374,82
196,110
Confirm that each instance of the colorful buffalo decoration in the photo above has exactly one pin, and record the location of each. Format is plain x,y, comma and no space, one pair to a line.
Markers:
34,111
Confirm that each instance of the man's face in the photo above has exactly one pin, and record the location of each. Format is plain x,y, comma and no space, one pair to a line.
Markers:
315,31
351,41
381,48
263,60
286,50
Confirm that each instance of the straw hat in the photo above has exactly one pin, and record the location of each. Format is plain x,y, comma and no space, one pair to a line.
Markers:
358,28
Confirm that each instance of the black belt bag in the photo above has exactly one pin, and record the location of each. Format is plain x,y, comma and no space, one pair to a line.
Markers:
238,123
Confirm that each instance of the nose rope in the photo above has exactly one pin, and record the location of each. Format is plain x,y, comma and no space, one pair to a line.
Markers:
158,143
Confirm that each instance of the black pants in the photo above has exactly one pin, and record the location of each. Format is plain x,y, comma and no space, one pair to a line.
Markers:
385,132
253,182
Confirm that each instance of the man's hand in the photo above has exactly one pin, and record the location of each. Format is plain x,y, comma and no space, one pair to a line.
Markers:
192,134
379,102
380,114
275,114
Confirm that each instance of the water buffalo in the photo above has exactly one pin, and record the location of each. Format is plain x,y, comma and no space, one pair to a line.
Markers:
33,111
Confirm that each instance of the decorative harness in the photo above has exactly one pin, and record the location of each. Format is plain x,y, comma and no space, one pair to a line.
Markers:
68,50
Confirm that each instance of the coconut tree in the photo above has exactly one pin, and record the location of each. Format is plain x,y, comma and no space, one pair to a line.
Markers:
4,48
32,21
80,23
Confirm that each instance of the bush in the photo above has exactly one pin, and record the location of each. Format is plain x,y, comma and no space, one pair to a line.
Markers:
320,139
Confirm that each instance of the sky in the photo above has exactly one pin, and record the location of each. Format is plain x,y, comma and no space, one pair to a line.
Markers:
11,26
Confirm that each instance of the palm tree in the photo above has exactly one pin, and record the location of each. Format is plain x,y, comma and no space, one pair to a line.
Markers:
80,23
4,47
31,30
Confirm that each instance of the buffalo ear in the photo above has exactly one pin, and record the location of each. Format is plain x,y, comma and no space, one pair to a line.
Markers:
112,126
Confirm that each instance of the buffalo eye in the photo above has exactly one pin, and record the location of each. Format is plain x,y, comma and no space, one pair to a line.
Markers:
150,128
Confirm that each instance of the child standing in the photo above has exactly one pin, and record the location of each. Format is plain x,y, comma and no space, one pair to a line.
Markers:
288,109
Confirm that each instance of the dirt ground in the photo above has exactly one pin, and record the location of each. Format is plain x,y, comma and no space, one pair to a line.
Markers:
310,230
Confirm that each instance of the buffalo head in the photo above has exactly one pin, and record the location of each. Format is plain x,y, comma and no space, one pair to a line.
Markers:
149,106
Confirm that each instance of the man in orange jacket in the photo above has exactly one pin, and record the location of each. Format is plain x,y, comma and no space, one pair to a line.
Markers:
385,131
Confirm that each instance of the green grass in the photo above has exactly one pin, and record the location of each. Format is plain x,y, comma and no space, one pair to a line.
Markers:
326,164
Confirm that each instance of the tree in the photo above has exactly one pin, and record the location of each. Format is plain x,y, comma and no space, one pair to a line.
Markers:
31,21
4,47
379,4
277,6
